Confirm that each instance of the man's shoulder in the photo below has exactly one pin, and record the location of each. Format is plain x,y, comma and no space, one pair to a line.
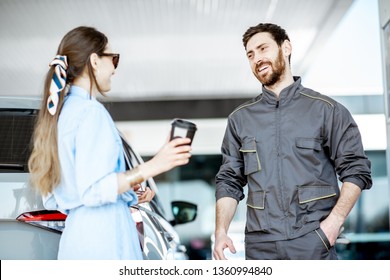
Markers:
246,104
316,96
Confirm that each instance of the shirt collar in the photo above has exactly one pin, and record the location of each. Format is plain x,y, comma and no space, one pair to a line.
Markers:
80,92
285,95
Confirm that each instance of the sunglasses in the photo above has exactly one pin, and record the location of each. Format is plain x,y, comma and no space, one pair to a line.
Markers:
115,58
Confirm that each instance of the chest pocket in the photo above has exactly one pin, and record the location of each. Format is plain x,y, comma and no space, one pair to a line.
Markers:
250,155
308,143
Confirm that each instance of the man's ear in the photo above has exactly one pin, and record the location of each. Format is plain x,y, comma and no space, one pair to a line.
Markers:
94,60
287,48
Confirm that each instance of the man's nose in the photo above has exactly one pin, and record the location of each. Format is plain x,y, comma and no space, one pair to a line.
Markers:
258,59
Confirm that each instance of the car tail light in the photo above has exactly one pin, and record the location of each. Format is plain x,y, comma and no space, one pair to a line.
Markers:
46,219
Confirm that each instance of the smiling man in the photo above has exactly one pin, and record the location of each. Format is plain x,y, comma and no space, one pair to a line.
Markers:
289,146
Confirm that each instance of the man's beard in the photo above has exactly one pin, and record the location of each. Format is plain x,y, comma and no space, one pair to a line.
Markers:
277,71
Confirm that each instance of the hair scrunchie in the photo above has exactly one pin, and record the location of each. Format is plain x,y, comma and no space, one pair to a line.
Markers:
58,82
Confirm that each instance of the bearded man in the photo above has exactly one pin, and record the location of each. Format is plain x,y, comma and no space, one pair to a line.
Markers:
289,146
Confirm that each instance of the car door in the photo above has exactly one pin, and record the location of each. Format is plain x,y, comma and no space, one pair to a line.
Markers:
156,241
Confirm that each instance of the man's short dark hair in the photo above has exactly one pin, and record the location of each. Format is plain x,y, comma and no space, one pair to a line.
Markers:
278,33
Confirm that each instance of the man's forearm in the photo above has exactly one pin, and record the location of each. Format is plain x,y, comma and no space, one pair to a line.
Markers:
349,195
332,224
225,210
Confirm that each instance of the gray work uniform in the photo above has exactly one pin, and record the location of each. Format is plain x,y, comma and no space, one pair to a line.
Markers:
289,151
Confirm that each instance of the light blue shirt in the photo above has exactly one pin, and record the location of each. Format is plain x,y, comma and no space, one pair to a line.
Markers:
99,224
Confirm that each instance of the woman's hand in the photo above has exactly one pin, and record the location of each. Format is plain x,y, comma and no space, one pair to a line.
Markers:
173,153
143,196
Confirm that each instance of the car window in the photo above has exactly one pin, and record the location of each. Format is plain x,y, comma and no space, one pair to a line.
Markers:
16,129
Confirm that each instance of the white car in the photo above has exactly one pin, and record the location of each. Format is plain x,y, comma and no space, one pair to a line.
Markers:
28,231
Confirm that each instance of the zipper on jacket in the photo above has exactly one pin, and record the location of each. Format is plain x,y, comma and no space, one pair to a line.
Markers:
277,104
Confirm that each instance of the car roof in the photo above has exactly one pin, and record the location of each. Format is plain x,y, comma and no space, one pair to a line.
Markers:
20,102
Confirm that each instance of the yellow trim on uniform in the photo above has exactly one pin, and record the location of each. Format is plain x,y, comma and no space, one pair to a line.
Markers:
323,241
318,98
317,198
256,207
246,105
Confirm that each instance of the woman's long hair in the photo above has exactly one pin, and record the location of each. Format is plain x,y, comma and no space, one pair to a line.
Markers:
77,45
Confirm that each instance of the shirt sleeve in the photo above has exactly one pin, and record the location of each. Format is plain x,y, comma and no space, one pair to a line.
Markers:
96,158
230,178
351,163
50,203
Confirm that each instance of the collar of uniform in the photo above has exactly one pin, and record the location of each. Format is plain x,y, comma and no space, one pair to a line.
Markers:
285,95
80,92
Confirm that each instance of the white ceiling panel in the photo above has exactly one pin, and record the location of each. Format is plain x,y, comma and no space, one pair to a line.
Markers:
169,48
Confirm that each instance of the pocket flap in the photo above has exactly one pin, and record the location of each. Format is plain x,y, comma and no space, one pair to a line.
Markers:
248,146
256,200
250,155
308,143
311,193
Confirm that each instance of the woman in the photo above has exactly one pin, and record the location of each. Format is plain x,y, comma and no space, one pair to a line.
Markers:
77,161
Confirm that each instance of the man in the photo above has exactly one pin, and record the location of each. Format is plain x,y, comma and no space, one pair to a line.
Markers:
287,145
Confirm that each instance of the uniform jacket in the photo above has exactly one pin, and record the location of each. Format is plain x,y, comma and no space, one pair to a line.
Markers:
290,153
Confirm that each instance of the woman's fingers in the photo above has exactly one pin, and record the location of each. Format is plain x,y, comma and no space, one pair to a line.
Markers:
180,141
146,196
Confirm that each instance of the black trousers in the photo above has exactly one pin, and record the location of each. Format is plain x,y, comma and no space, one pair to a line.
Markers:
312,246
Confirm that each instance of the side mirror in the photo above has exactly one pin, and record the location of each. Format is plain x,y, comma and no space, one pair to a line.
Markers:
183,212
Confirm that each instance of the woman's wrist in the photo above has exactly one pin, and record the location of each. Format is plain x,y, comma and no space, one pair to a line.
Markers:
134,176
148,169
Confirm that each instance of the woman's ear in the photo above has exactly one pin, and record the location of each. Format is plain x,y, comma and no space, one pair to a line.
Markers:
94,60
